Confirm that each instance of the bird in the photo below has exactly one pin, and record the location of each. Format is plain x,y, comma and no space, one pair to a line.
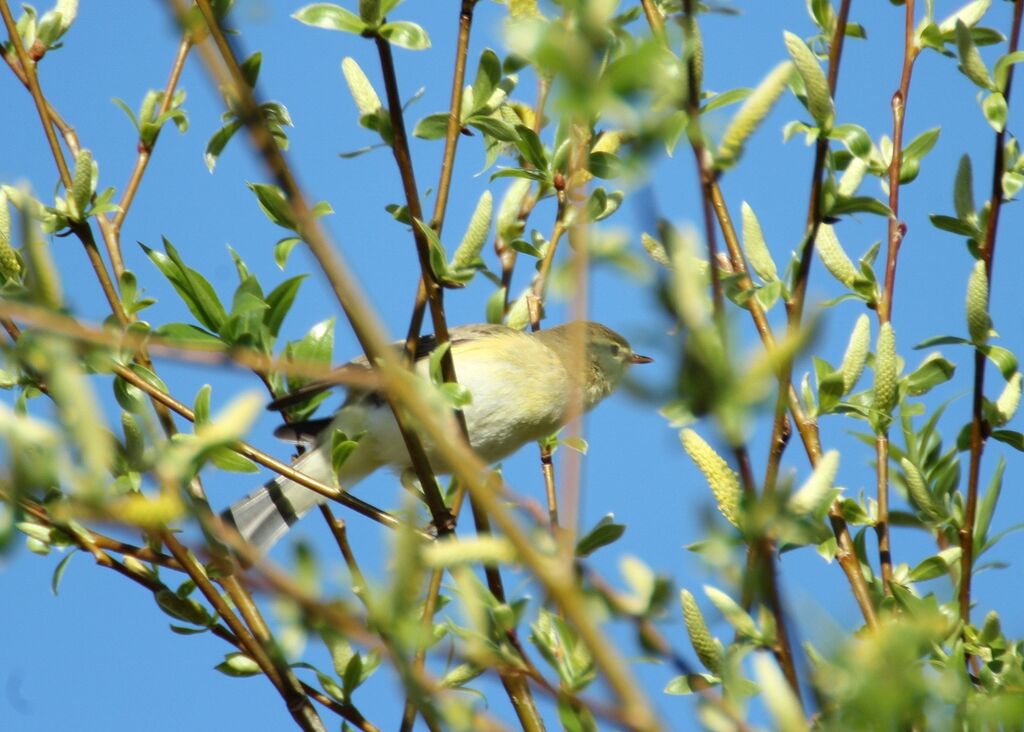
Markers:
521,388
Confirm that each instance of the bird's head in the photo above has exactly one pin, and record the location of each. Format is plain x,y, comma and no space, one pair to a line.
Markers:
610,355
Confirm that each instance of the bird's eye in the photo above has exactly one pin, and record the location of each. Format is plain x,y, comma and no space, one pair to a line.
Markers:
615,349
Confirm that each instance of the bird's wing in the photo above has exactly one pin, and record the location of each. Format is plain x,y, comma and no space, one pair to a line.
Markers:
424,347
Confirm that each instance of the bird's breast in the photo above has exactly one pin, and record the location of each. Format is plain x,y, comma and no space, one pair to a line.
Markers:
520,393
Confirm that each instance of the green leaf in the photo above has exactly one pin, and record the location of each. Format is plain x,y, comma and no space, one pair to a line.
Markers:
438,255
531,148
933,371
227,459
274,204
682,685
604,165
279,302
987,505
330,17
726,98
283,249
182,608
342,446
495,309
1009,437
954,226
370,11
859,204
575,717
316,347
915,151
238,664
432,127
922,144
738,618
405,34
604,533
194,289
488,74
994,108
493,127
934,566
189,335
971,63
963,190
1003,359
1002,68
127,110
58,573
855,137
251,68
218,141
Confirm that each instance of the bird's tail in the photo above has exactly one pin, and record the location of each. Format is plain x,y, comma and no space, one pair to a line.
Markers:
266,514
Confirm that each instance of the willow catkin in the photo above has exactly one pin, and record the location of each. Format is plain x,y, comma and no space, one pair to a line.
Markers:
885,369
917,489
755,246
856,353
475,237
818,488
819,99
81,185
979,323
752,113
724,482
833,256
704,644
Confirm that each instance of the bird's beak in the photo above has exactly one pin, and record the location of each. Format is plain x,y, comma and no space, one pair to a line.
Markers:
637,358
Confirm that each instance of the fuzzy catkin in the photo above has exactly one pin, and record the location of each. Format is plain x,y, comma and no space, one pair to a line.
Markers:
885,369
723,480
704,645
979,323
856,353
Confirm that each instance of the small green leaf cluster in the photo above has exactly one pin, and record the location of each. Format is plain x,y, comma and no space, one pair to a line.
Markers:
275,117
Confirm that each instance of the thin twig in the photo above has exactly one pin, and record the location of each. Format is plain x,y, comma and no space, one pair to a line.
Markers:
896,232
146,150
298,705
434,293
365,324
243,357
761,552
82,229
518,690
262,458
979,427
846,556
465,464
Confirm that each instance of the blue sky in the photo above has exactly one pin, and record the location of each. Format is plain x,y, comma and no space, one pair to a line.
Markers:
100,656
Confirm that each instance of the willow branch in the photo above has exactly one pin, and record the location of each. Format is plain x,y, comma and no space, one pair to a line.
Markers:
257,456
761,552
146,150
808,429
518,691
465,464
81,230
226,70
896,231
979,427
